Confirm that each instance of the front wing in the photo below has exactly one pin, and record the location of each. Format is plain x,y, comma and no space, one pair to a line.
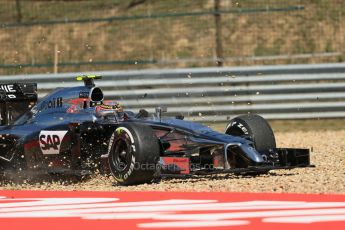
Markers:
288,158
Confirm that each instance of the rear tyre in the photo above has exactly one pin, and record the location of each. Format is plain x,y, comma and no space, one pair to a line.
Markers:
255,128
134,153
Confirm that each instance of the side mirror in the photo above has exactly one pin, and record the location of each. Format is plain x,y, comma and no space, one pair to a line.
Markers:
179,116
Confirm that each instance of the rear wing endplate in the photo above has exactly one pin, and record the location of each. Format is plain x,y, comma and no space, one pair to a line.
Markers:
18,91
16,99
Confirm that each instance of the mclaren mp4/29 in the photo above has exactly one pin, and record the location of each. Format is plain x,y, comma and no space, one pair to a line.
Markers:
74,130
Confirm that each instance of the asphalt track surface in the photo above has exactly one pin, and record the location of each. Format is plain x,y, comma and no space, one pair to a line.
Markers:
328,177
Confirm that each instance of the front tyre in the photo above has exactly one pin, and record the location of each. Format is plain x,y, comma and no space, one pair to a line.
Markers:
255,128
133,154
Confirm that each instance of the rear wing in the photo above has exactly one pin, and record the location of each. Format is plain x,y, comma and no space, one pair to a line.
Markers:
16,99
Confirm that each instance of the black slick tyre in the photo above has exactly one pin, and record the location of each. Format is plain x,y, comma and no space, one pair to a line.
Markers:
255,128
133,154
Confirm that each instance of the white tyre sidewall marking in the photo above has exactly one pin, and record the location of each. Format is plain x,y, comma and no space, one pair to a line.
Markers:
111,142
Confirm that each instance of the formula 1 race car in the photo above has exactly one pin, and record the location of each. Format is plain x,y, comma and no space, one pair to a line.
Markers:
74,130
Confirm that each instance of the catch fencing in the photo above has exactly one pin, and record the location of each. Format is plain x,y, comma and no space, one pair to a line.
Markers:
217,94
69,36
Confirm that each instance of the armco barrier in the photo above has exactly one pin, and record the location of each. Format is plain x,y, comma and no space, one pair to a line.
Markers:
215,94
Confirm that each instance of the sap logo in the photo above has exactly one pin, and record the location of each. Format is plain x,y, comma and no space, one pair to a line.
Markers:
50,141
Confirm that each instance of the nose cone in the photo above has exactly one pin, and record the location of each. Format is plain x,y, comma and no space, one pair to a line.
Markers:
252,155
